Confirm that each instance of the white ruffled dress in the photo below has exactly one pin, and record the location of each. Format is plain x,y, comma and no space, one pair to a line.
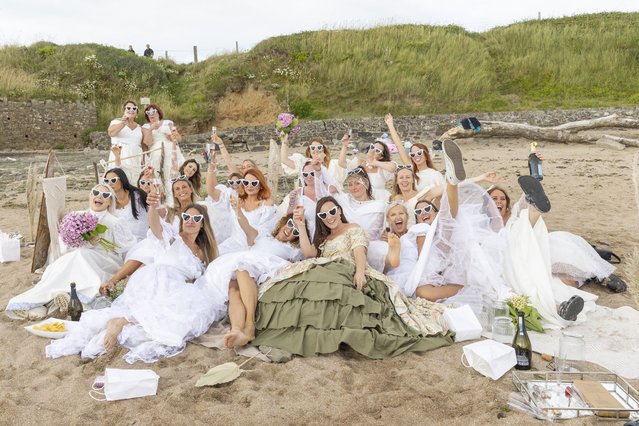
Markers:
163,302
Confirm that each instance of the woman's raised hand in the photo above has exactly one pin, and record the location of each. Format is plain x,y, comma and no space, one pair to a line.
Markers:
298,216
346,140
153,198
491,177
116,150
388,119
216,139
149,172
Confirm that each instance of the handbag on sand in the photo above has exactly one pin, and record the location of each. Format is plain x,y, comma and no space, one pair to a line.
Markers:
463,322
9,248
490,358
126,384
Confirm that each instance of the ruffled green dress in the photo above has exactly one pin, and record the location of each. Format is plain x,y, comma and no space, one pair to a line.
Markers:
311,307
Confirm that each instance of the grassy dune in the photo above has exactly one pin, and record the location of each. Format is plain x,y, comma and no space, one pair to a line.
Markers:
581,61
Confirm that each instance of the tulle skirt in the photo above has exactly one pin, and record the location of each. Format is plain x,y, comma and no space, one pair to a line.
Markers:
571,255
466,250
164,310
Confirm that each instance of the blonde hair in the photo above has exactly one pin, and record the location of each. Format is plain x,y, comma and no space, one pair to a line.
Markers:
113,198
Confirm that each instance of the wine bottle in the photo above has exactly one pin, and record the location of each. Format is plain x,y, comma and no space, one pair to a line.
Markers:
75,306
534,163
522,345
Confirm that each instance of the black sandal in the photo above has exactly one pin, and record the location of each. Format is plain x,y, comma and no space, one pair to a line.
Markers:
616,284
534,192
569,309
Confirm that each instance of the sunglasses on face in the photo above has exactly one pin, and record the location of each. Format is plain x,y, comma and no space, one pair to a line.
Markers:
150,111
404,167
131,108
253,183
426,209
197,218
96,192
111,181
416,153
291,225
145,182
316,147
356,171
374,148
181,177
331,212
234,182
307,174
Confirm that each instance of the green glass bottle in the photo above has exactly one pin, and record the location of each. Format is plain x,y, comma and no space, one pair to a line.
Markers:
522,345
75,306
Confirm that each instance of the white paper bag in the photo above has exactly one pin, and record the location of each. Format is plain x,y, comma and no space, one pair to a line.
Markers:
463,322
490,358
9,248
129,383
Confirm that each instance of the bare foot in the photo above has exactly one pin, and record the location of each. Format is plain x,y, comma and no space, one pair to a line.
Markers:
114,327
235,338
249,331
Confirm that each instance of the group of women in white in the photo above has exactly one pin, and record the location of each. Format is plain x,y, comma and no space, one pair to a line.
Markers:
342,260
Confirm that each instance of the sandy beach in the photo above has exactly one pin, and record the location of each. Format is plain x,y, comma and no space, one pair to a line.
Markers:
591,191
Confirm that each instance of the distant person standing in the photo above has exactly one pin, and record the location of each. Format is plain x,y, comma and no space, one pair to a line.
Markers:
131,49
148,52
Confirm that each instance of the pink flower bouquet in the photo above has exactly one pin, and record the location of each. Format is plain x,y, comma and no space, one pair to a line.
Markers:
286,124
77,227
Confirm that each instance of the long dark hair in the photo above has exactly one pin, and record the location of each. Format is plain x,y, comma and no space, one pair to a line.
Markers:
196,179
126,185
386,156
498,188
205,239
321,230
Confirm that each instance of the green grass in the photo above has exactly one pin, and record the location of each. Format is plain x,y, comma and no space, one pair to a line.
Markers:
580,61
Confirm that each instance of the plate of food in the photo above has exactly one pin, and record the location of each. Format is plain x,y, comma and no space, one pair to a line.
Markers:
52,328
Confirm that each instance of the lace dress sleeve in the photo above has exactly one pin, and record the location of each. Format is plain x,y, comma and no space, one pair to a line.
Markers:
358,237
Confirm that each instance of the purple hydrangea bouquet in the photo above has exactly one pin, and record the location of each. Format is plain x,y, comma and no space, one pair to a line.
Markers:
77,227
286,124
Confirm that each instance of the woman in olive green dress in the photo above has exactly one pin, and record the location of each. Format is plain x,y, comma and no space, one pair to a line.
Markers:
334,297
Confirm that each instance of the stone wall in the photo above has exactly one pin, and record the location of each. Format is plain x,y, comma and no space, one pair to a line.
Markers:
44,124
412,128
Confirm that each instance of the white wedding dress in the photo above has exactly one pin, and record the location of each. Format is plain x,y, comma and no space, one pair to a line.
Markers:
139,226
131,143
163,302
466,250
161,140
87,266
527,269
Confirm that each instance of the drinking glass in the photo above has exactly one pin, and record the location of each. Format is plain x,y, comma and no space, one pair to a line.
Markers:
570,355
503,330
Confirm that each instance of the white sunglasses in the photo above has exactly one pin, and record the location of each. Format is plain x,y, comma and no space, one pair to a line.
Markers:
331,212
197,218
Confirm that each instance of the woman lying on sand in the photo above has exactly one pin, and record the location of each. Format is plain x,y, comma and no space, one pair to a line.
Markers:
154,321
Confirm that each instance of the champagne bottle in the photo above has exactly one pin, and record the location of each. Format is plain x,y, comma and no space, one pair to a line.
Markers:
75,306
534,163
522,345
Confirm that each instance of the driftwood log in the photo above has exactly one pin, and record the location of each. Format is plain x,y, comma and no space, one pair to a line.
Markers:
565,133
